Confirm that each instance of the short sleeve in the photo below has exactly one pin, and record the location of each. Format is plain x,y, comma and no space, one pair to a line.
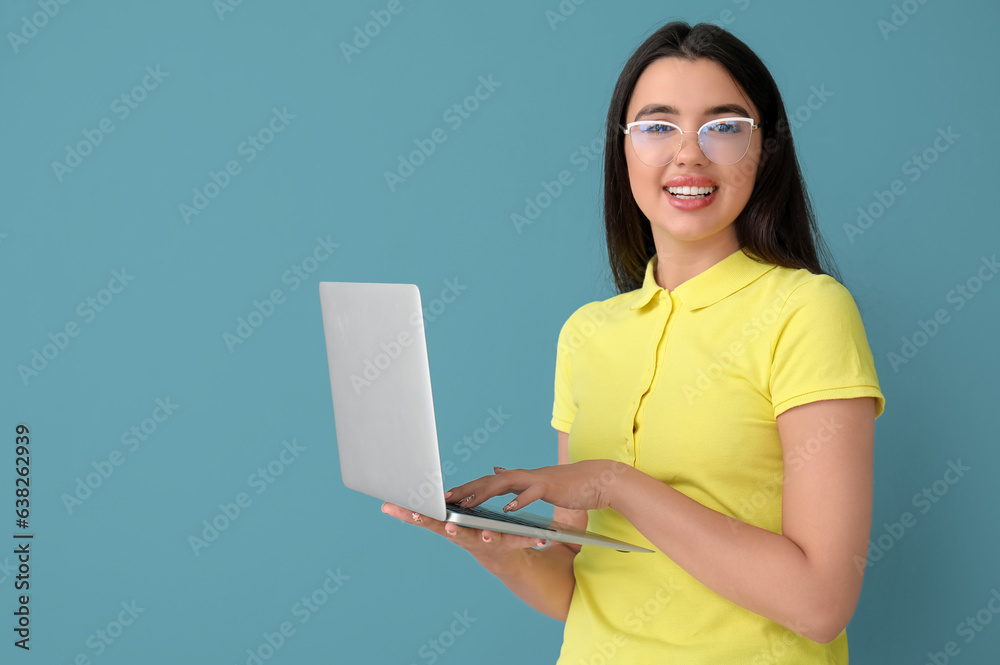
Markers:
819,349
563,406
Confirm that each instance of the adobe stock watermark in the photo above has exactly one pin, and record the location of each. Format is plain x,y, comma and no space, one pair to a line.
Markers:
770,489
294,277
591,320
727,16
101,640
958,298
364,33
914,167
802,113
776,651
391,349
596,486
562,12
223,7
550,190
924,501
131,440
121,107
260,480
86,311
595,316
469,443
899,17
7,570
434,648
724,361
304,609
464,448
968,629
32,23
475,441
454,116
249,148
636,618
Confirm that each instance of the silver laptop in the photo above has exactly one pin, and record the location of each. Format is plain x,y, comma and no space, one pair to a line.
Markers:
384,412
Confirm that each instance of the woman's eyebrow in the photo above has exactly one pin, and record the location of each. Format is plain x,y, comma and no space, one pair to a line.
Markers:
653,109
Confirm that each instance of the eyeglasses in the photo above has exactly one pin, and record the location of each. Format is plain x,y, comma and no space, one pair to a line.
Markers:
724,141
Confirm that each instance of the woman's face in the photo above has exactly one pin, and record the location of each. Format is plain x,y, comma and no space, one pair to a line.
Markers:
689,94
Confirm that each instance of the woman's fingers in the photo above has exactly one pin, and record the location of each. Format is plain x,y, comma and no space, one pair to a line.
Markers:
482,489
508,541
412,517
465,495
520,482
474,540
530,495
449,529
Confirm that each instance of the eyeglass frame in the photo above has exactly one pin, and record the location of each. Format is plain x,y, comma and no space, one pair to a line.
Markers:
680,144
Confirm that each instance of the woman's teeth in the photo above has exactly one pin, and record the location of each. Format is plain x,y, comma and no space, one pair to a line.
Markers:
691,192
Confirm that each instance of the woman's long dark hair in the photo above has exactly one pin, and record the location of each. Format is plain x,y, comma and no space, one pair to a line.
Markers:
777,224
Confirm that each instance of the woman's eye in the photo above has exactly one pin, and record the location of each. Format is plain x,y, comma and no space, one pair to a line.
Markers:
725,127
656,129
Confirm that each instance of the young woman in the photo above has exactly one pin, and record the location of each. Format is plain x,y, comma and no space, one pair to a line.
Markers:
720,410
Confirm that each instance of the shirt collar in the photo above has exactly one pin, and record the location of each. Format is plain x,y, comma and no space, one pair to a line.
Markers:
709,287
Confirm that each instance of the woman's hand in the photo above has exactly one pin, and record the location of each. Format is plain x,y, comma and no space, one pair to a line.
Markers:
490,548
586,485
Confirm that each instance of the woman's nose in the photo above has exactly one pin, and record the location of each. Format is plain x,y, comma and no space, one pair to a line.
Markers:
690,151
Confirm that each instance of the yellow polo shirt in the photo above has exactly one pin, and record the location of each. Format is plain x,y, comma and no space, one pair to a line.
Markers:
685,385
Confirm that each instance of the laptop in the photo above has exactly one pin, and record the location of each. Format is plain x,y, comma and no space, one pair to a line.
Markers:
384,413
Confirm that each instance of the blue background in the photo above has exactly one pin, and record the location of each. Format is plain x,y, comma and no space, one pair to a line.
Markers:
223,73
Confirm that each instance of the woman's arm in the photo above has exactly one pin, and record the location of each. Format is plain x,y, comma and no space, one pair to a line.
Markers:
541,578
807,578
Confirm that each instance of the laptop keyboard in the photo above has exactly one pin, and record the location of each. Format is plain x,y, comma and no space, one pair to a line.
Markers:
486,513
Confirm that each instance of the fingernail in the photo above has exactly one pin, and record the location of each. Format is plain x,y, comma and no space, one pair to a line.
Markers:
487,539
541,543
498,468
416,518
510,506
447,494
